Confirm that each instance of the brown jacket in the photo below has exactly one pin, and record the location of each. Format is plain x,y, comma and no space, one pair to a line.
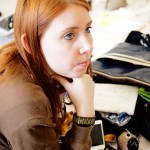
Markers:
26,120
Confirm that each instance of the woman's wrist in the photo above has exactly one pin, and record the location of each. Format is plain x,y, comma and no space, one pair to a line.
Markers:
86,112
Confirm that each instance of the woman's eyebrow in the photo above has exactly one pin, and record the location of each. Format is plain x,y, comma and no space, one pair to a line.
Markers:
73,28
90,22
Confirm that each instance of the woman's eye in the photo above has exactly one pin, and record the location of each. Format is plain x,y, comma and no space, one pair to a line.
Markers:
88,29
69,36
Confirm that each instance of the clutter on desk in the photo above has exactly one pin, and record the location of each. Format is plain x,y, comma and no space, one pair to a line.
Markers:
126,64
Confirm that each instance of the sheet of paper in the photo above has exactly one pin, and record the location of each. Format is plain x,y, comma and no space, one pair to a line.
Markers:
115,98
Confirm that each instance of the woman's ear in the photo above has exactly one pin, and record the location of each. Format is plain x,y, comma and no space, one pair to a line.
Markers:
25,43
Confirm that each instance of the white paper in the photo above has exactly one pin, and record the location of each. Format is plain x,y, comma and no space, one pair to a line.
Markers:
115,98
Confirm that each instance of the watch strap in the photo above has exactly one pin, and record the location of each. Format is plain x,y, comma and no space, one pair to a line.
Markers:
83,121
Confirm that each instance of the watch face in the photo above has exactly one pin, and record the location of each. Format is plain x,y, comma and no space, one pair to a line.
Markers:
7,23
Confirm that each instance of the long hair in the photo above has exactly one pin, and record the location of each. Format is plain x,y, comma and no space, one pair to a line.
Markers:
32,17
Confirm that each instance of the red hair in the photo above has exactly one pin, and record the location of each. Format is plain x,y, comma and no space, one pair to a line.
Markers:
32,18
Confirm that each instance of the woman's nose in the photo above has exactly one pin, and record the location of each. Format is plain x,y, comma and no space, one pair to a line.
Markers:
86,45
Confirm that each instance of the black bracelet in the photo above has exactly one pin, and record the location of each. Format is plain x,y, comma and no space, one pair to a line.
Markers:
83,121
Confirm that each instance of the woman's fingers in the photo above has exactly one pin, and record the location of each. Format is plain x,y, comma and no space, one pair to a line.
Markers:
63,81
81,92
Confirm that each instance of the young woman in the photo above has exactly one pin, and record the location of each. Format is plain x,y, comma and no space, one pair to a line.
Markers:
49,57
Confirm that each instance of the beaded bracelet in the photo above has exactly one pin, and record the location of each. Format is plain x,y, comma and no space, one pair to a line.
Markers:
83,121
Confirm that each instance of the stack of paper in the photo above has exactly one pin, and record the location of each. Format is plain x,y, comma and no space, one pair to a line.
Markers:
115,98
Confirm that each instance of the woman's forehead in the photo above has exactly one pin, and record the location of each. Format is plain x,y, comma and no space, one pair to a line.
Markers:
73,16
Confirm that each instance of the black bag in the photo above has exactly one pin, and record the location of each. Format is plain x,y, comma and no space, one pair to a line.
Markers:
126,63
145,122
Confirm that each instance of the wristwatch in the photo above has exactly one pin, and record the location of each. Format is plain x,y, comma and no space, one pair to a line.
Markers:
83,121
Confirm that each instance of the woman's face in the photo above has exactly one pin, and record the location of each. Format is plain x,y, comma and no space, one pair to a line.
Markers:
67,43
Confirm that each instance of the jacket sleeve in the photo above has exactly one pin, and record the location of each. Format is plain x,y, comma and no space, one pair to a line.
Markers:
27,131
26,117
78,138
26,121
38,133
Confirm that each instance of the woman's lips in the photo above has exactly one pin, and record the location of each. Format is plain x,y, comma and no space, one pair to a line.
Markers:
84,64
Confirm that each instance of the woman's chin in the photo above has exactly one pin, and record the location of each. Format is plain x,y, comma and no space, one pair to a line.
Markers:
78,75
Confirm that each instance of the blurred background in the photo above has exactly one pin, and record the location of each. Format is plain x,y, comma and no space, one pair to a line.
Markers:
113,20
